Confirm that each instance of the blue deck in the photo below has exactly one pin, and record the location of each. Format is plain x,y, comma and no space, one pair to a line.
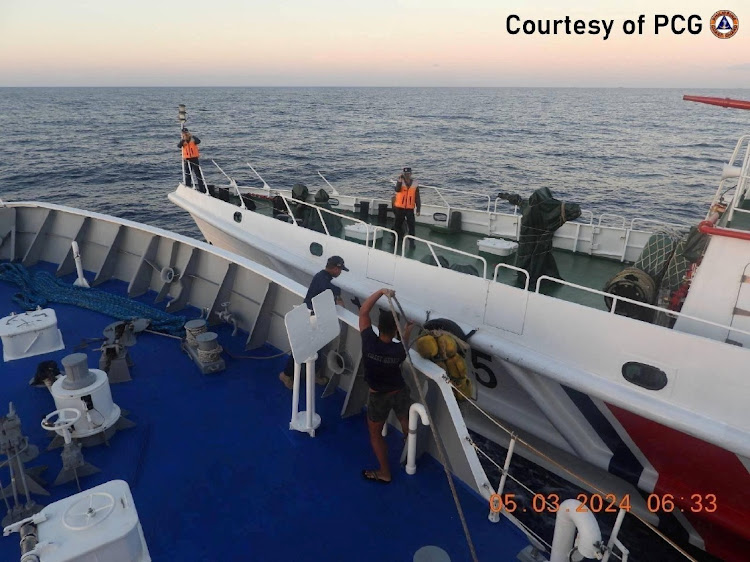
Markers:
217,475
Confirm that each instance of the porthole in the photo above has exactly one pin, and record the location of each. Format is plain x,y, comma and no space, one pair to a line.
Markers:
333,202
237,217
645,376
440,217
316,249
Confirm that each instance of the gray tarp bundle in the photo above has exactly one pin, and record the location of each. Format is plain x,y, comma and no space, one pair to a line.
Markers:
541,216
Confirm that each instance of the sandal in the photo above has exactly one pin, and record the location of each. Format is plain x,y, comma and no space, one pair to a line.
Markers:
372,475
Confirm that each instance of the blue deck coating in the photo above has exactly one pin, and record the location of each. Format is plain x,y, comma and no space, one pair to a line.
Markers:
217,475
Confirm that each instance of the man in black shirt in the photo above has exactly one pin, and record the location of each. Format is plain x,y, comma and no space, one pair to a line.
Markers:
382,363
321,282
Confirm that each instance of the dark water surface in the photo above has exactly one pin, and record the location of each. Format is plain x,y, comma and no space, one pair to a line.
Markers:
634,152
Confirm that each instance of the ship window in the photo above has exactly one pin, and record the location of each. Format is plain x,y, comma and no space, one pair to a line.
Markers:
316,249
646,376
238,217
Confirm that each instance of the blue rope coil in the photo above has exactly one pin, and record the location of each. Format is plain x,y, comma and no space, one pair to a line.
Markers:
40,287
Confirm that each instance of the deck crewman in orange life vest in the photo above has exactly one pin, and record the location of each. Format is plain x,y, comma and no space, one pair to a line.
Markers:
404,203
189,145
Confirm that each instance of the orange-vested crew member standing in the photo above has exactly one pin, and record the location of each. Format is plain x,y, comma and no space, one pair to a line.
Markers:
405,202
190,162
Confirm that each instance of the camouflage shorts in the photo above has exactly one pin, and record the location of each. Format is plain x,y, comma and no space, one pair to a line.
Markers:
380,404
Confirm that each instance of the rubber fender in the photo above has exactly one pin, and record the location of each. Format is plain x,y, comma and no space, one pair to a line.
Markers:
427,346
456,369
447,346
447,325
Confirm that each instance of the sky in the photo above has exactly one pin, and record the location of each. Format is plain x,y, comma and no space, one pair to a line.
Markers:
364,43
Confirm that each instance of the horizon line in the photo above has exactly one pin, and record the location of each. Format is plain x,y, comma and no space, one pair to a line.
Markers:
394,87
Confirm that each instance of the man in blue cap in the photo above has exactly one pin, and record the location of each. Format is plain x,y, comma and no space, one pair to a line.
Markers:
321,282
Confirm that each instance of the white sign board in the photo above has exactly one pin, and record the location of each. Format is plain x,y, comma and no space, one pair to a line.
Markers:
308,334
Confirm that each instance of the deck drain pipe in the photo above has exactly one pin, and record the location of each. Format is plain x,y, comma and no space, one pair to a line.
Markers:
416,411
567,522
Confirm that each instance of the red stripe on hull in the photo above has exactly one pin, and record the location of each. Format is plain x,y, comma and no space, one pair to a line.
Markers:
687,466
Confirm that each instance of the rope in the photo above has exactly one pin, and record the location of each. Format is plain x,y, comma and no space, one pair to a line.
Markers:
433,429
38,288
192,333
233,356
573,474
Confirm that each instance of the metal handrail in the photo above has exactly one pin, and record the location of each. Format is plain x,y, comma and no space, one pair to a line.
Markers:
438,190
232,183
617,298
662,223
333,189
720,189
494,209
355,220
514,268
610,215
591,216
435,244
375,228
265,185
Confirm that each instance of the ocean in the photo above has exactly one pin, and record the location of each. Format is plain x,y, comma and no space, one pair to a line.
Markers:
627,152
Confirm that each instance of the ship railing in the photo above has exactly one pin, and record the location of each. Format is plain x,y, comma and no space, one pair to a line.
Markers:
513,268
193,177
738,168
638,220
232,183
440,190
432,245
616,299
371,230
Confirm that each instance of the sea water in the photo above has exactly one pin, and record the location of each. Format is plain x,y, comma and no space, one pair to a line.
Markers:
628,152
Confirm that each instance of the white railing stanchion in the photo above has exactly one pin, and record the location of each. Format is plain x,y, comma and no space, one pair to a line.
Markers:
494,516
295,393
613,535
333,189
454,250
265,185
232,183
310,387
514,268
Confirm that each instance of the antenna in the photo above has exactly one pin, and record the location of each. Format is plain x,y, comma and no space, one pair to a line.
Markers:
182,115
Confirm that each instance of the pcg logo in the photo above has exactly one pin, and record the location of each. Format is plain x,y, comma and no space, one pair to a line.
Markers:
724,24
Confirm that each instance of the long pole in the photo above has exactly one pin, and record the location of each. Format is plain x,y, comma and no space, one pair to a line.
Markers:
182,118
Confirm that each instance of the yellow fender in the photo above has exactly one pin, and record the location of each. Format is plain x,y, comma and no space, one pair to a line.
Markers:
443,350
427,346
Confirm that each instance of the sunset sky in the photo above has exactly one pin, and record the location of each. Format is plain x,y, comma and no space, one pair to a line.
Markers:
346,43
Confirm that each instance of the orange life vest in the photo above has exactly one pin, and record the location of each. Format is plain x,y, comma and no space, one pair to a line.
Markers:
407,197
190,150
